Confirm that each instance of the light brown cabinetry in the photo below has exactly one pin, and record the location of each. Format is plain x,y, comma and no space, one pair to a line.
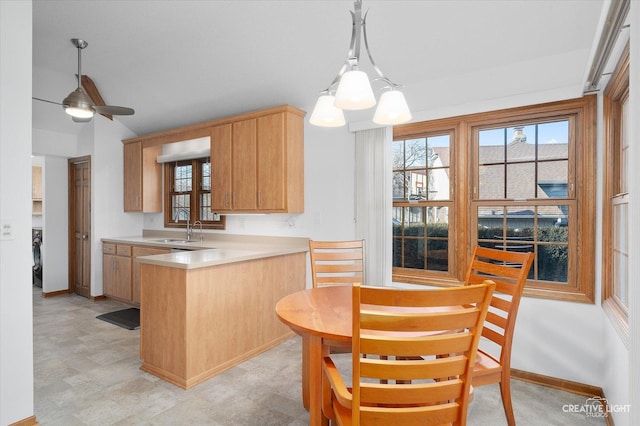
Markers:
196,323
36,190
116,271
135,268
258,164
121,270
142,178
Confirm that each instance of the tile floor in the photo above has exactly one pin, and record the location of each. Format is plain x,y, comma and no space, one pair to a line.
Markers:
86,372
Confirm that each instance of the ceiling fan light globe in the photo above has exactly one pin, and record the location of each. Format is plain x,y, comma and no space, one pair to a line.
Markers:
78,112
354,91
392,109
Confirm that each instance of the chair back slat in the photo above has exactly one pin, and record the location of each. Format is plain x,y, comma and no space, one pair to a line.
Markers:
336,262
425,337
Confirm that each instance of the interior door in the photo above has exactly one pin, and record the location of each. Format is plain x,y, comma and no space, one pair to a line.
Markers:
80,225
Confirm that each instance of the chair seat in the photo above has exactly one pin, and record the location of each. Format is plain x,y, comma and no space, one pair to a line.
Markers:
486,369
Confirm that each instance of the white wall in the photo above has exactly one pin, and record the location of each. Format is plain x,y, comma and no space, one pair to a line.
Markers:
55,238
107,214
16,311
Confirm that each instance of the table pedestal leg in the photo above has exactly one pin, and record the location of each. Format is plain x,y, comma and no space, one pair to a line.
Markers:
305,372
316,352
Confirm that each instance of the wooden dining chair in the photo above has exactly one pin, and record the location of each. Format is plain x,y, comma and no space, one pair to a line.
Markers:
332,263
509,270
336,262
420,347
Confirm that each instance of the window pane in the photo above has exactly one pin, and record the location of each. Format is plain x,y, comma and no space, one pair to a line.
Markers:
490,223
206,176
492,146
397,150
491,183
415,227
520,148
180,207
553,133
399,186
553,178
553,263
552,223
521,181
205,207
417,184
415,153
620,279
182,178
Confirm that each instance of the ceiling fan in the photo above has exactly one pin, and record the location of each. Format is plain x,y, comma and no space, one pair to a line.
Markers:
79,105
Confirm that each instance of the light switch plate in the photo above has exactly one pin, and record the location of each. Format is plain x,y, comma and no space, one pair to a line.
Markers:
6,230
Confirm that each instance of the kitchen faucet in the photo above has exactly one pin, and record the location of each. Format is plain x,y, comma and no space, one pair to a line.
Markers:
189,227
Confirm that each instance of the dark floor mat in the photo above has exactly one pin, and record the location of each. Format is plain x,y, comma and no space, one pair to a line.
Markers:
126,318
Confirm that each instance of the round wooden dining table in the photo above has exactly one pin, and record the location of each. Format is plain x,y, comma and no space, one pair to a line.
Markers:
322,316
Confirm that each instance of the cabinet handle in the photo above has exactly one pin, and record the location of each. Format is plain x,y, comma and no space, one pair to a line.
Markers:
226,199
259,198
234,199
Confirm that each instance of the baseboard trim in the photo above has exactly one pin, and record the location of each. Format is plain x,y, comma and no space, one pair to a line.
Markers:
562,384
56,293
99,298
29,421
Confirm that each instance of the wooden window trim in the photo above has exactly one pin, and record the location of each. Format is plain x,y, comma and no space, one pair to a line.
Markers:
616,92
582,284
194,202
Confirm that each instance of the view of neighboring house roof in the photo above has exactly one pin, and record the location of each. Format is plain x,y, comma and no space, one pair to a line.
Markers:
552,171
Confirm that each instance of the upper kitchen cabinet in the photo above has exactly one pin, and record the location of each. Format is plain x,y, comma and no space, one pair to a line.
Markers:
142,178
36,190
258,163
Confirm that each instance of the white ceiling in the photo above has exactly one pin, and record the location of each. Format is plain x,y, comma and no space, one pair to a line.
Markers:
182,62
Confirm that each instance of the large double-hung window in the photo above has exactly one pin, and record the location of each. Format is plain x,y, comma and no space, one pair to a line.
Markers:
517,180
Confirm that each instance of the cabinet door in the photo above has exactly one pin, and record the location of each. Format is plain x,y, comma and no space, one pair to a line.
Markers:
109,274
221,168
133,177
36,183
243,156
271,162
123,277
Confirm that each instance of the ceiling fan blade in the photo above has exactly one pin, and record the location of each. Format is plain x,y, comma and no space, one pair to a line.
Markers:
44,100
90,87
113,110
81,120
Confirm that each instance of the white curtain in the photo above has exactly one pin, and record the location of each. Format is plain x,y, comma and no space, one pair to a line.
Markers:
373,202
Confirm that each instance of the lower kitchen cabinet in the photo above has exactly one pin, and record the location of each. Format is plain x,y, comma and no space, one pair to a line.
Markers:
121,270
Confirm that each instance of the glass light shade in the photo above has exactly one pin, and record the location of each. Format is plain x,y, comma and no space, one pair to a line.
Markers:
354,91
392,109
325,113
79,112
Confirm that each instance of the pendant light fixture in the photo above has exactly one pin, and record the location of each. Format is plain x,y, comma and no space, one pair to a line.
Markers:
351,88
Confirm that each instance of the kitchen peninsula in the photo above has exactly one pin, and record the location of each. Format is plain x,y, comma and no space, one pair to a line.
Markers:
211,306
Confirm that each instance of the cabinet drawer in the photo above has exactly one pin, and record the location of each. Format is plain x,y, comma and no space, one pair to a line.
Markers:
108,248
123,250
148,251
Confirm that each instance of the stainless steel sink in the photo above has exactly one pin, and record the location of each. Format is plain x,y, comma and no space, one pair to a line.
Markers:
174,241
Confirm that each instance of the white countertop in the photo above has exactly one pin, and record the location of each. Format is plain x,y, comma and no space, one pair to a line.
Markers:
215,249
